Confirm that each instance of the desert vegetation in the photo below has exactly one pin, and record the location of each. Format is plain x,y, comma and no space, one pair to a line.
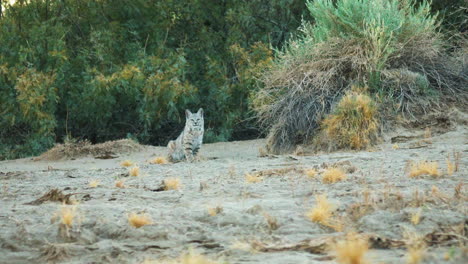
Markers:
362,103
392,50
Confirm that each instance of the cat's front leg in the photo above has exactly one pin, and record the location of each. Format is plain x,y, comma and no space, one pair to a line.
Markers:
188,152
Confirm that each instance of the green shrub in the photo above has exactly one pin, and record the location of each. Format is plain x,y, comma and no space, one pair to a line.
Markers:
374,43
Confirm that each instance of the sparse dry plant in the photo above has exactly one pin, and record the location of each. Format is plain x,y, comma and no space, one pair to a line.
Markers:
450,167
67,215
351,250
424,168
311,173
395,146
271,221
416,248
322,213
428,135
253,178
171,184
415,255
453,166
333,175
54,252
262,152
416,217
134,171
139,220
126,163
213,211
94,183
159,160
120,183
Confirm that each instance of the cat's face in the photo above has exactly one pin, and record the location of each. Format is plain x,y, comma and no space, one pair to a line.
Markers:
195,120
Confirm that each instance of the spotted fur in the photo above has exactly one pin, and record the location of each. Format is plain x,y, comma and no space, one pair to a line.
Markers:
187,145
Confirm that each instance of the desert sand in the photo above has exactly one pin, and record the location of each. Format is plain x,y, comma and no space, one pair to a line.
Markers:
257,222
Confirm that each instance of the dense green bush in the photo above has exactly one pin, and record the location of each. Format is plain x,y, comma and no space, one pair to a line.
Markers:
393,47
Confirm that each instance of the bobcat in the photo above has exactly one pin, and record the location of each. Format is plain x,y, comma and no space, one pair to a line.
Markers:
186,146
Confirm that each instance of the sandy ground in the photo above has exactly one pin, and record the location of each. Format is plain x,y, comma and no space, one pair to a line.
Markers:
377,198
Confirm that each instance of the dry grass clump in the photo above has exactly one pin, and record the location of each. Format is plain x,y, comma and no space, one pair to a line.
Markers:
253,178
84,148
416,248
54,252
453,166
351,250
134,171
450,168
416,217
311,173
213,211
424,168
126,163
171,184
333,175
94,183
352,124
271,221
159,160
139,220
67,215
322,213
120,183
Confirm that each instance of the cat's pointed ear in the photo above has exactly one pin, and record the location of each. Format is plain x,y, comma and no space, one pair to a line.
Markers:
187,113
200,111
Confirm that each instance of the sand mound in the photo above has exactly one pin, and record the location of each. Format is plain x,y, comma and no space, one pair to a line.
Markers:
104,150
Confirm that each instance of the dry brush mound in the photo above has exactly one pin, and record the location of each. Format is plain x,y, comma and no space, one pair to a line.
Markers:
104,150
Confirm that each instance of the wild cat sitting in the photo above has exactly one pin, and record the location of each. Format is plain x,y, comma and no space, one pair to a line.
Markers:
186,146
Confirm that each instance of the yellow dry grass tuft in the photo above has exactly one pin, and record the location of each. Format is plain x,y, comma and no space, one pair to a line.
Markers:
416,248
395,146
213,211
450,167
415,255
94,183
424,168
171,184
311,173
135,171
354,123
159,160
333,175
351,250
67,215
322,213
416,217
126,163
139,220
120,183
253,178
